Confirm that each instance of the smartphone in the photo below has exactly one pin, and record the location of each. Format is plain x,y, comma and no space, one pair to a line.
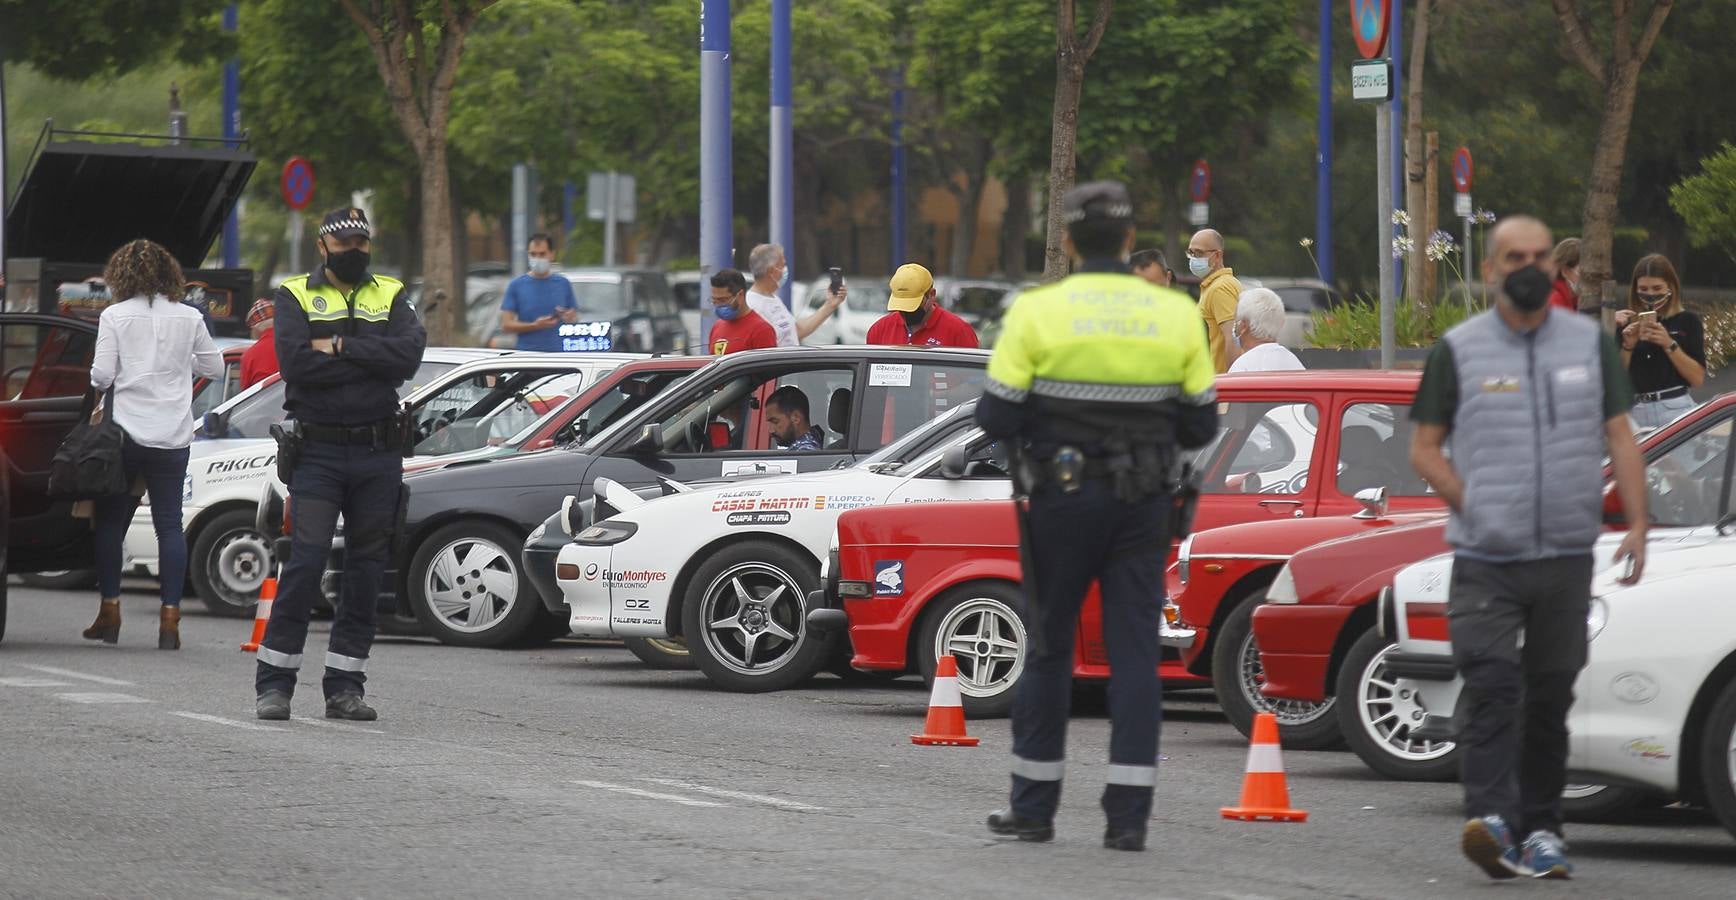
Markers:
1644,313
837,279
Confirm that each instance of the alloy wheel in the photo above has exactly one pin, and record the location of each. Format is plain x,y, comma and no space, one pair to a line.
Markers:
987,640
240,562
1390,714
753,614
471,585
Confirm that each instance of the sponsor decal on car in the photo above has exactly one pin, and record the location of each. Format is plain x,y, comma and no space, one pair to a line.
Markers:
1647,748
758,518
841,502
747,504
1634,687
761,467
888,577
628,578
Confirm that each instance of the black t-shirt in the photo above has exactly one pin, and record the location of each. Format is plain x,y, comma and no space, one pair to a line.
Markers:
1650,367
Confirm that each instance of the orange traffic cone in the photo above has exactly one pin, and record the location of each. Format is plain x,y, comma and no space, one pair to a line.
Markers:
1265,795
945,727
262,614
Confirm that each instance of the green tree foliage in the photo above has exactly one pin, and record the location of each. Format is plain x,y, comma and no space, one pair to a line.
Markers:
103,38
1707,202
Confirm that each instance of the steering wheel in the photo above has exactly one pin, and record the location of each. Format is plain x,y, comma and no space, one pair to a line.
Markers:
696,441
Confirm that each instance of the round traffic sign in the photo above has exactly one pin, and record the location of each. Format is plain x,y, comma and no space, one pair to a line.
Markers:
1370,21
297,183
1200,181
1462,170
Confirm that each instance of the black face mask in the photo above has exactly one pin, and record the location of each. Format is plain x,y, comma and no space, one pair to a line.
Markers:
348,266
913,320
1528,288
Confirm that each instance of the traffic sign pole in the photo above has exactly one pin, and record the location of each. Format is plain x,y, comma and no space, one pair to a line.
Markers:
1388,271
782,176
1200,185
1462,171
716,181
1375,79
296,184
1323,151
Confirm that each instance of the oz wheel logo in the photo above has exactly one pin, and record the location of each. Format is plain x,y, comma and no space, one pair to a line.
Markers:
592,571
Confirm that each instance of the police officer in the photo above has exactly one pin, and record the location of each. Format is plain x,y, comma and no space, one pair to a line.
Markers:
346,340
1097,380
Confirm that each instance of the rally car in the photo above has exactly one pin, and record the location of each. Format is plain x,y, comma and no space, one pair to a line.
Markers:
730,567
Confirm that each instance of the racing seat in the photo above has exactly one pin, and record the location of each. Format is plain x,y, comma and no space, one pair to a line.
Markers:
838,418
1367,462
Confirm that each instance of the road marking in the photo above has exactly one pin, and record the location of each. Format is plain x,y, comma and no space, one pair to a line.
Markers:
321,723
68,673
736,795
100,697
649,795
33,682
219,720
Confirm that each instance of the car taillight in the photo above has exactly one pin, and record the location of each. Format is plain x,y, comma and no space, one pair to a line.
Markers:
1426,621
567,571
855,589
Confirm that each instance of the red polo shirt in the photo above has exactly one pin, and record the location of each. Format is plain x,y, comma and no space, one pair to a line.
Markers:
943,329
260,360
745,332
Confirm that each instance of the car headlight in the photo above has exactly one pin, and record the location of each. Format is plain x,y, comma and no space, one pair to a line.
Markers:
603,534
1596,618
1283,588
1181,558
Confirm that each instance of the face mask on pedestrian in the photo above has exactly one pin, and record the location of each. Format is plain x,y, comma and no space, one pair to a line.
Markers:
783,275
348,266
725,311
1199,265
1655,302
913,320
1527,288
540,266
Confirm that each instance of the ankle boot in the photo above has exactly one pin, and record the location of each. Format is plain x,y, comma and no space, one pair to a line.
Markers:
107,627
169,629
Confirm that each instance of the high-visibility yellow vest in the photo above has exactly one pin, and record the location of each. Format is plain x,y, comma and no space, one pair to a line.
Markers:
325,303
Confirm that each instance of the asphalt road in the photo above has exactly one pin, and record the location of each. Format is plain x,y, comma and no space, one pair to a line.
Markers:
574,771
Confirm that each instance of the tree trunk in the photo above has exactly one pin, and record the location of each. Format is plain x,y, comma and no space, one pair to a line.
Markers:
1063,163
439,265
969,214
1417,163
1015,224
1431,213
1596,265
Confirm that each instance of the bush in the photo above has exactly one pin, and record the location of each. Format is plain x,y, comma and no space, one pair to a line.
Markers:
1719,320
1356,325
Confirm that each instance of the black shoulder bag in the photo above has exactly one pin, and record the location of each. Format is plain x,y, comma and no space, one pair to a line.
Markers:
88,463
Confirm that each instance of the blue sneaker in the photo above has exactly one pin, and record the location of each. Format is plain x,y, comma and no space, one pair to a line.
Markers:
1488,842
1546,857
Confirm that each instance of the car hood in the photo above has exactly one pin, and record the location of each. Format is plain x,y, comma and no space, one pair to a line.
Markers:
1287,536
541,468
707,492
425,463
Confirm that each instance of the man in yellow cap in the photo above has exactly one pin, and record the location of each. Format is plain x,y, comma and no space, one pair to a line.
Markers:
914,318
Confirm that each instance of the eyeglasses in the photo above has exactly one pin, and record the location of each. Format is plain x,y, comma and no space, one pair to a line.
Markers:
1199,254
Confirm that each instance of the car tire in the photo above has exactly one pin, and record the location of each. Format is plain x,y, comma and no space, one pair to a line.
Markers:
1383,741
662,653
772,619
74,580
468,586
1602,802
987,619
1237,676
228,563
3,588
1718,758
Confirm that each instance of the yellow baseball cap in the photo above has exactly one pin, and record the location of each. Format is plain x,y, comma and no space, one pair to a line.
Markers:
910,284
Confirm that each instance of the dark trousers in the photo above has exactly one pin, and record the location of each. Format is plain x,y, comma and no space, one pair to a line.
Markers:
165,471
1079,538
363,484
1513,708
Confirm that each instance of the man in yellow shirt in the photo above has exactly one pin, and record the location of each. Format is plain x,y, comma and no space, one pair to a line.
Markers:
1219,293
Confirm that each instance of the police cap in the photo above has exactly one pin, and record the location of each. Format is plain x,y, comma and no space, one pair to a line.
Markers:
1097,201
345,222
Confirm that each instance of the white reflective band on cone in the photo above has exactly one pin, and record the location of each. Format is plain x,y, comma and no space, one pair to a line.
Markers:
1137,776
264,611
346,663
945,693
1038,770
281,660
1265,758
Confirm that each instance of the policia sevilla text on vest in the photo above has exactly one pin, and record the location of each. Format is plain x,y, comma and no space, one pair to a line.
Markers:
1098,380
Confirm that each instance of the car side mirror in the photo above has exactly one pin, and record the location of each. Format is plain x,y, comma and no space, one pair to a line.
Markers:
650,439
1373,502
1612,511
216,424
954,462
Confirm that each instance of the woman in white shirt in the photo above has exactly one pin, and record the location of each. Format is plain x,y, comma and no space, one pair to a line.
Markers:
148,348
1259,319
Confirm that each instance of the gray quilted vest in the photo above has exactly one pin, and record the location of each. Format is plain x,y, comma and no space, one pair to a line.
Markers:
1528,438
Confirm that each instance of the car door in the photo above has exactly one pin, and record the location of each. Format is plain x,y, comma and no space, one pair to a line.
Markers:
1264,462
488,405
45,368
1369,447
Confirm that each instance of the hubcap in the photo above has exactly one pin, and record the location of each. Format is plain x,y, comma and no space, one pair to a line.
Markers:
754,618
987,640
471,585
1582,791
239,564
1288,712
670,646
1390,714
1730,762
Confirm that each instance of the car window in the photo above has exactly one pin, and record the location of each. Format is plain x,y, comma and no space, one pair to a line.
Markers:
1260,448
900,397
978,301
686,294
657,297
211,394
723,416
1689,485
1303,299
487,408
621,401
600,299
1374,451
985,458
253,417
42,361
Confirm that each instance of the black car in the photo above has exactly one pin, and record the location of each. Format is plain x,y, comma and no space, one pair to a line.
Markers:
45,370
457,562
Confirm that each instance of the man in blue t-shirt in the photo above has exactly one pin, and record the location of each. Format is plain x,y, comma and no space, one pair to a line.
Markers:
538,301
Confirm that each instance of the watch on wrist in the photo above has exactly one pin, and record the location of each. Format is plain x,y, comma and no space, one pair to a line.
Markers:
1672,347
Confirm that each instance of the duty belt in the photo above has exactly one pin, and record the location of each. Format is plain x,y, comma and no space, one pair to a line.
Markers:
378,434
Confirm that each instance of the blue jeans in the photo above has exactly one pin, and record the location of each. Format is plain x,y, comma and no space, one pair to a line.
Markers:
165,471
1658,413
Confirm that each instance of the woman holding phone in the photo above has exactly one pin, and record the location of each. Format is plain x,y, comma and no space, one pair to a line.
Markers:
1662,344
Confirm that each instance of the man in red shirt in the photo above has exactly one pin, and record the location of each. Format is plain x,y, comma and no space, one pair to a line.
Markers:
914,317
260,360
738,328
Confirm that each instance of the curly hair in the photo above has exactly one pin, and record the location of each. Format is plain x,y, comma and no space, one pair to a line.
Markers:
143,268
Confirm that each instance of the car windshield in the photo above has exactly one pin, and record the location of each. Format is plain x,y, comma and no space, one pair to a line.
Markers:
252,415
597,299
920,442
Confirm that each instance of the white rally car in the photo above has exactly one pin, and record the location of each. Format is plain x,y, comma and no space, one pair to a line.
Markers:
465,401
1655,709
730,566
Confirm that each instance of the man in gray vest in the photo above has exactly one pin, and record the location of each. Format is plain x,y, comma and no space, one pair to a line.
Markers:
1529,400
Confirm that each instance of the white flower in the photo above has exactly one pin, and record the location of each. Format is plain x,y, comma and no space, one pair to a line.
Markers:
1306,243
1485,217
1402,247
1440,246
1401,218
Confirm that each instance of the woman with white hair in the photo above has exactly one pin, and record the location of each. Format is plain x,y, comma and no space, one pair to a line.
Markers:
1259,319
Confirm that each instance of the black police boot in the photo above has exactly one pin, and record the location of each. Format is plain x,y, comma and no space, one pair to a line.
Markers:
273,706
1009,823
1123,838
351,707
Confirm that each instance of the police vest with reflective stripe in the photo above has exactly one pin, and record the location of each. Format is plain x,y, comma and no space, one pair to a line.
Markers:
325,303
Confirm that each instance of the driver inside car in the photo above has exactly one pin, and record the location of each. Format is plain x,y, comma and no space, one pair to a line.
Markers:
786,413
